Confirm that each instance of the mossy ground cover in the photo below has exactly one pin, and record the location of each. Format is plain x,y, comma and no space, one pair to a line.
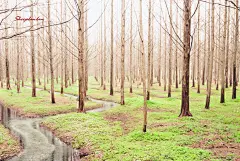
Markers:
116,134
9,146
41,105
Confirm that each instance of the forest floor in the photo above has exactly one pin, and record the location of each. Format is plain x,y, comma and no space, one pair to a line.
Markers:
116,134
9,145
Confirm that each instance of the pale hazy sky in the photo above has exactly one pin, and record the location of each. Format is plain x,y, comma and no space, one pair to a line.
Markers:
94,12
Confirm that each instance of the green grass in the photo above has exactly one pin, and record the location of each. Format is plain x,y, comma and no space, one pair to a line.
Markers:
9,146
40,105
116,134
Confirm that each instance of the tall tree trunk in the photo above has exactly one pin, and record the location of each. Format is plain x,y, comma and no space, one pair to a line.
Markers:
227,49
50,53
131,49
105,49
160,58
205,48
86,49
152,43
210,63
18,57
149,48
186,59
143,71
165,61
111,63
8,86
39,55
222,100
123,13
33,57
170,54
62,56
176,55
198,56
81,56
234,89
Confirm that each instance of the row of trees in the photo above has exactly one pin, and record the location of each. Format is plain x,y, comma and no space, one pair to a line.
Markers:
189,45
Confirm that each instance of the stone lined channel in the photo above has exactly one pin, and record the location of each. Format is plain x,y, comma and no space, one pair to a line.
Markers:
38,143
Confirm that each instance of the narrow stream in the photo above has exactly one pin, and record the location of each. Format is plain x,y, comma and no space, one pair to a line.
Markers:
38,143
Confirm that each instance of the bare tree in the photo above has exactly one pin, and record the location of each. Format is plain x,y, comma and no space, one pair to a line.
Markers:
186,59
131,48
81,56
149,48
234,89
222,100
111,63
18,58
33,57
143,71
50,53
210,63
170,54
198,56
123,13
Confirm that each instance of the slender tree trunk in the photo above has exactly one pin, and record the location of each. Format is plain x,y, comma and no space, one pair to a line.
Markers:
81,56
149,48
122,51
227,49
222,100
186,59
111,63
176,56
105,49
66,51
50,53
205,48
234,89
18,57
86,49
198,56
152,43
131,49
62,56
165,61
33,57
8,86
210,63
170,55
39,56
143,72
160,58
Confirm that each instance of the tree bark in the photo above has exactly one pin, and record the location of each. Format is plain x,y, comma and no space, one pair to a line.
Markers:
131,49
222,99
210,63
111,63
149,48
234,89
186,59
33,57
81,56
227,49
123,13
198,56
18,57
50,53
170,55
143,72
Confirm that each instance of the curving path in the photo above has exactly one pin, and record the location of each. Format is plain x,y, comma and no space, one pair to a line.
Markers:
40,144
